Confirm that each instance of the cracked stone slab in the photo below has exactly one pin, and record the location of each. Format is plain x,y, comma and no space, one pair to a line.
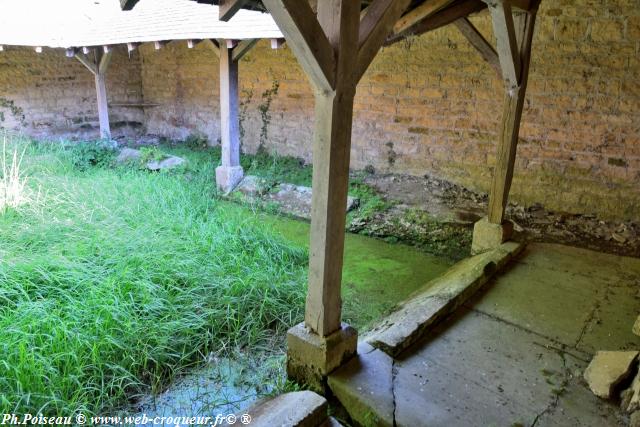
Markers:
295,200
441,297
299,409
608,369
574,296
364,386
479,371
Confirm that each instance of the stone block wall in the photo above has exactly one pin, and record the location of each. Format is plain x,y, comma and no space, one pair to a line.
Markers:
431,105
47,94
427,105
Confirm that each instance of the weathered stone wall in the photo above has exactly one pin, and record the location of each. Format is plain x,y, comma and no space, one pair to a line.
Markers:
431,105
48,94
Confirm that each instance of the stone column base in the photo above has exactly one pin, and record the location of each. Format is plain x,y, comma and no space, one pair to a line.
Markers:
310,357
487,236
227,177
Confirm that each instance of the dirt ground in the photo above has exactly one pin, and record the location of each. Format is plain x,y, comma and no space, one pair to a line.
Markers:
457,208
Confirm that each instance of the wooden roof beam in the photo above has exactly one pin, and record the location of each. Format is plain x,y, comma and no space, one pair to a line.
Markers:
419,13
277,43
243,48
481,44
307,39
443,17
228,8
375,26
507,42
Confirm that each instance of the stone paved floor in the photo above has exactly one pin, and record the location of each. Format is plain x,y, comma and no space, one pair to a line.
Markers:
514,355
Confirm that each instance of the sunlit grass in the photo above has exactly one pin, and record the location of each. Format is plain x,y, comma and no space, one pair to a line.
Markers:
12,181
115,280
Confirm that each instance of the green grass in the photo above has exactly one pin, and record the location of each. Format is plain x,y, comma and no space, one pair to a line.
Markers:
115,280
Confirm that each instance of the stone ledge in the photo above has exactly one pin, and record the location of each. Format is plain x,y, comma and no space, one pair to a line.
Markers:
296,409
442,296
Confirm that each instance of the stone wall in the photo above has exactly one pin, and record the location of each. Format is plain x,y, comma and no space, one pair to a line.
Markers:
430,105
48,94
427,105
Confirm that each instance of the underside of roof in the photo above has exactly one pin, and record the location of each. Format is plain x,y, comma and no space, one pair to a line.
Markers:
79,23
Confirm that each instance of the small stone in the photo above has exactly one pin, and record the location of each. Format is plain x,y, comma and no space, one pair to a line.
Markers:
636,327
128,155
253,186
170,162
607,370
618,237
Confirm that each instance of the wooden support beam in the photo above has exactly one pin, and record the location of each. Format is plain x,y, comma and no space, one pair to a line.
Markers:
421,12
277,43
231,43
443,17
307,39
128,4
339,20
102,63
481,44
230,135
507,43
511,117
160,44
374,29
89,64
243,48
228,8
215,46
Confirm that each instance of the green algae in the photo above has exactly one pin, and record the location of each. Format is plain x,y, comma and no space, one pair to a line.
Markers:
376,275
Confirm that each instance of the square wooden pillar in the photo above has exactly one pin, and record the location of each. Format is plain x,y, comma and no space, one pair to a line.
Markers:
229,173
514,35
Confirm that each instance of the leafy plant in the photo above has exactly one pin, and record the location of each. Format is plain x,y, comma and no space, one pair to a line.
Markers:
85,155
12,181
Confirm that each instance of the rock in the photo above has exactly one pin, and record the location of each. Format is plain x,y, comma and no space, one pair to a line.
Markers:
634,420
301,409
636,327
295,200
253,186
607,370
128,155
170,162
618,237
634,400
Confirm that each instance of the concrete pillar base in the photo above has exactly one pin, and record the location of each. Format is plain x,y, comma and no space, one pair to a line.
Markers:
487,236
228,177
310,357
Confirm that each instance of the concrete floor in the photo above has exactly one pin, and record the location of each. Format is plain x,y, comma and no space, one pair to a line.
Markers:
514,355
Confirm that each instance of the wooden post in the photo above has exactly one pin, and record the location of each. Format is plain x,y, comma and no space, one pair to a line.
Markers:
514,48
229,107
230,173
98,67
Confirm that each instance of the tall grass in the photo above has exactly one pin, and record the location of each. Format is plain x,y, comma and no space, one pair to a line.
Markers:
12,183
115,280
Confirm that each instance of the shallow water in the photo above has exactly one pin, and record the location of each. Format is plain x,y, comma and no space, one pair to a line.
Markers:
376,276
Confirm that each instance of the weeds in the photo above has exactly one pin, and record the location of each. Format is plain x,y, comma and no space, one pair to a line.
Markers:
12,181
118,280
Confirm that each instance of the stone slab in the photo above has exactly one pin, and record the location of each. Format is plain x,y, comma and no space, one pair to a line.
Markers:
295,200
440,297
296,409
364,386
607,370
228,177
574,296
